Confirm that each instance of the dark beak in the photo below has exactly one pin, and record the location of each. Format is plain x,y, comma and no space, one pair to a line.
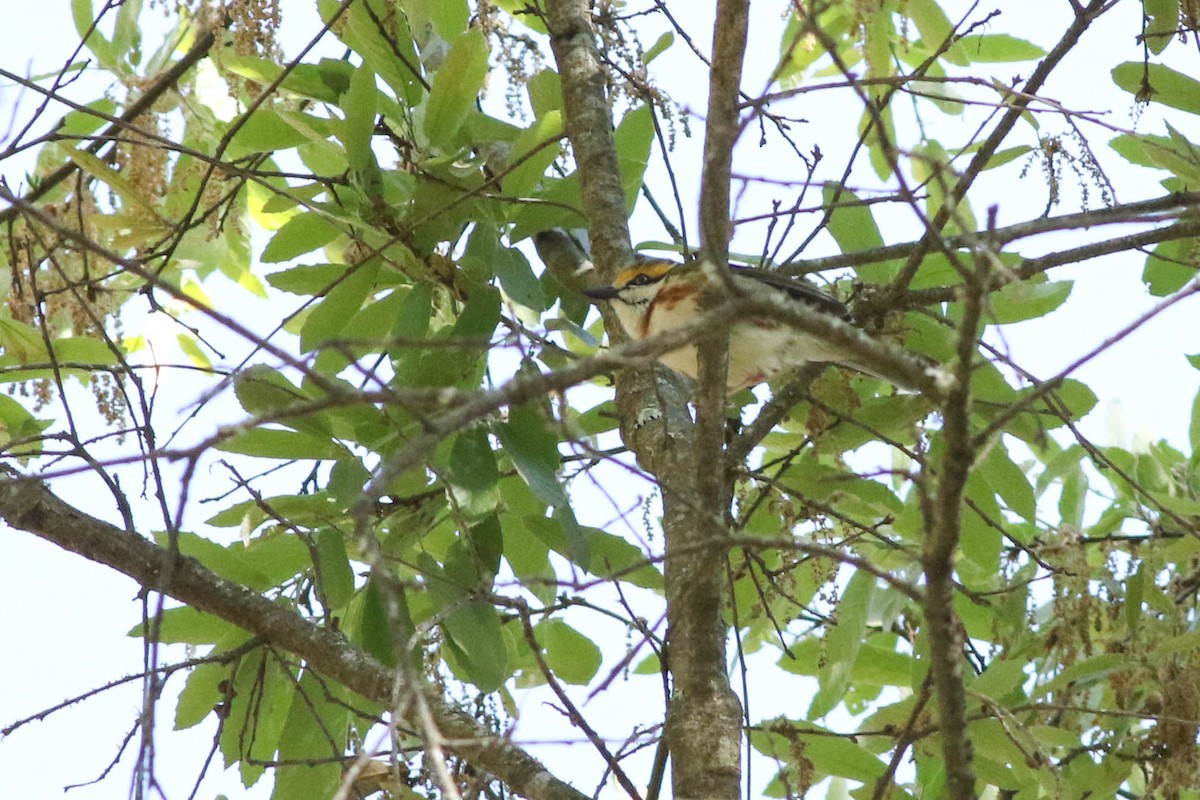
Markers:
602,293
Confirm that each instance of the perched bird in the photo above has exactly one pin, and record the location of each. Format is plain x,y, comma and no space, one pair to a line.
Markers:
658,295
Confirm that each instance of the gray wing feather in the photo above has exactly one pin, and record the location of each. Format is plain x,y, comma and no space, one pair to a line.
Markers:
798,289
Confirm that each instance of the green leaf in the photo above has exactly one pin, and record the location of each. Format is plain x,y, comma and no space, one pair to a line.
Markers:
485,256
1159,84
367,625
545,93
455,89
1076,396
1170,266
472,462
187,625
935,29
1132,147
412,323
999,760
84,350
533,450
559,207
127,34
980,540
1000,679
200,695
17,423
1182,506
573,657
303,509
1009,482
21,341
228,562
827,752
633,138
534,453
998,48
1002,157
332,315
518,8
603,554
1083,673
1174,153
611,555
260,696
203,692
271,443
359,104
853,228
309,279
876,665
191,348
463,363
301,234
879,146
334,573
1058,465
82,14
527,554
83,123
1025,300
472,628
517,279
1135,590
1162,23
262,390
932,167
388,49
1194,426
842,644
660,46
313,740
532,153
267,131
449,17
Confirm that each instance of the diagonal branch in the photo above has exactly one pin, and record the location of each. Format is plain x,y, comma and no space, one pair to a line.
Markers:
1168,207
28,505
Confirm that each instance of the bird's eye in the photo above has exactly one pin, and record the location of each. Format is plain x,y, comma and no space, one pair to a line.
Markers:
640,279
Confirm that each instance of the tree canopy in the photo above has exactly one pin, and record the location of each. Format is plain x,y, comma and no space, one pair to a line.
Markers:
295,336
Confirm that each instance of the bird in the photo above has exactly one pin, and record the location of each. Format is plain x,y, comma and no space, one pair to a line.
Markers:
657,295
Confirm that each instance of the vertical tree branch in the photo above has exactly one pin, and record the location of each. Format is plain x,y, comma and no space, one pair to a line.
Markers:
943,521
589,127
704,728
642,395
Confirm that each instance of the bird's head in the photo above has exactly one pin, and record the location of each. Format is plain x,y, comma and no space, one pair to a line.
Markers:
633,293
636,286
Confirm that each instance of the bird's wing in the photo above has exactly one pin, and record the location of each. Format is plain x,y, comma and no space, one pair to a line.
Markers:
797,289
